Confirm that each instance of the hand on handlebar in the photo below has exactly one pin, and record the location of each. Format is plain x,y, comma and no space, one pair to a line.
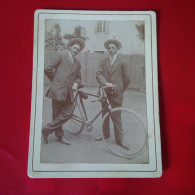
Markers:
102,91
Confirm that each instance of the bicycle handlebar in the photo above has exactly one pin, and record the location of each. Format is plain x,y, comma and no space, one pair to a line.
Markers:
102,92
80,85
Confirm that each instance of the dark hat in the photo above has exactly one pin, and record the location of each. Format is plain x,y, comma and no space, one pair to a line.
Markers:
76,40
117,43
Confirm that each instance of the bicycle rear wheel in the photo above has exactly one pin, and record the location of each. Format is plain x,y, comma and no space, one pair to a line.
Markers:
123,125
75,124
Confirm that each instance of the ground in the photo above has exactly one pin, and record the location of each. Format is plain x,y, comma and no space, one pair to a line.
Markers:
84,148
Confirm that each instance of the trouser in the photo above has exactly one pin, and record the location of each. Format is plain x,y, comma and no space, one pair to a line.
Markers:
62,112
116,119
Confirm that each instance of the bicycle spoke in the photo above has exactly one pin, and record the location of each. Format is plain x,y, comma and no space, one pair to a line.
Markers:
124,126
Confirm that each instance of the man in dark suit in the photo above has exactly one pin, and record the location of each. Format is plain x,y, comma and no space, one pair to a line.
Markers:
65,75
113,70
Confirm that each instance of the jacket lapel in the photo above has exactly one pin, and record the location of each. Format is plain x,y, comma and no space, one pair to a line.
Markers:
108,66
116,64
67,58
74,65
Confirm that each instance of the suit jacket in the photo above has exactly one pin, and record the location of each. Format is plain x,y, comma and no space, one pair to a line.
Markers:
117,73
62,74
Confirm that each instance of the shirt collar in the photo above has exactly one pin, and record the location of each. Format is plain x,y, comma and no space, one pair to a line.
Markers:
113,57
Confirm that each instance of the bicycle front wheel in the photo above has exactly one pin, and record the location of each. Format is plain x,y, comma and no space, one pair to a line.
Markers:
75,124
122,127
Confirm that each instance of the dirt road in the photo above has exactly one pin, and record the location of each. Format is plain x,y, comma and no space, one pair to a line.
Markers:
84,148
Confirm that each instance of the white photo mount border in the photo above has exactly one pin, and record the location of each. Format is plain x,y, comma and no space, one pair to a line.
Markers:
36,169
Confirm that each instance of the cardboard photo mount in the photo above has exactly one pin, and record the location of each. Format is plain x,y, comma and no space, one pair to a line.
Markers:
43,159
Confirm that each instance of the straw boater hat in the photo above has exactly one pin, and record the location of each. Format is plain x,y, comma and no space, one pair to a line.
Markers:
76,40
117,43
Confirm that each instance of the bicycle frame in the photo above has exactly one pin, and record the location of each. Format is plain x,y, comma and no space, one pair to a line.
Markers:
78,94
113,115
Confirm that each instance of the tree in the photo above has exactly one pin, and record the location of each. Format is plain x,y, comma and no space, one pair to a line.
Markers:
141,31
79,32
53,39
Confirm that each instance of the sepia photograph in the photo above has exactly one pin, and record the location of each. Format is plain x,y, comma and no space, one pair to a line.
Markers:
94,106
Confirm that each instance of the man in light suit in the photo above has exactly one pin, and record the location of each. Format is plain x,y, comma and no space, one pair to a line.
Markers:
113,70
65,75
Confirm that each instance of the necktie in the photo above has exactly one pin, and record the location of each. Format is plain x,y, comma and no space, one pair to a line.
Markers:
111,60
72,60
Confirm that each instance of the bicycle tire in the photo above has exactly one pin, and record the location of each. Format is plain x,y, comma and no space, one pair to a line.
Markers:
133,130
75,124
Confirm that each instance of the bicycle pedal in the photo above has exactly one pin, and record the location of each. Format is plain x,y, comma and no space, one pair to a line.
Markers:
89,129
89,126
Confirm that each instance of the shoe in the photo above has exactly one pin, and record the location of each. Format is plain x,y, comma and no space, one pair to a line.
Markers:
63,140
45,135
123,145
100,138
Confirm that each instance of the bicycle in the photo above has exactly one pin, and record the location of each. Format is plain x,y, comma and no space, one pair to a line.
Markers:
131,126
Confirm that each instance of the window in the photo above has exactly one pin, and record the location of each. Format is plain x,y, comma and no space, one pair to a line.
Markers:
102,27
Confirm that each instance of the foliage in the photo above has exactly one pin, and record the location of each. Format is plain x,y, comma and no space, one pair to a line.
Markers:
141,32
79,32
53,39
